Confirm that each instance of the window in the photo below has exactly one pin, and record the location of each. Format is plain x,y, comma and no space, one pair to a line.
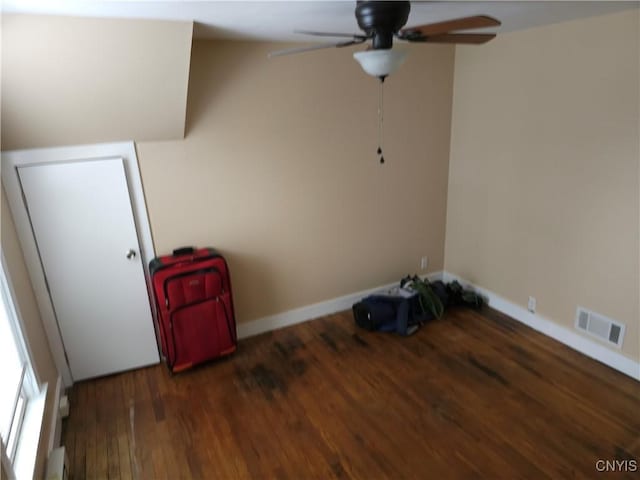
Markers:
19,384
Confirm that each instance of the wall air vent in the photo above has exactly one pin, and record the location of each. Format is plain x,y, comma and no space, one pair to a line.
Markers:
600,326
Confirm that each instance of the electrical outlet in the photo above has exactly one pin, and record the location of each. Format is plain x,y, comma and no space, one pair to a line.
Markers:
531,306
424,263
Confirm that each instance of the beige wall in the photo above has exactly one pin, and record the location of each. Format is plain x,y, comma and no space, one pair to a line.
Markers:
279,171
68,81
544,169
33,330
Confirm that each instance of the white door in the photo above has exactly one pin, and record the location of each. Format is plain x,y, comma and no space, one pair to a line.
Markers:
84,228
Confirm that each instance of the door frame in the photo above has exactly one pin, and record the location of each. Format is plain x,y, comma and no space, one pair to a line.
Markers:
11,160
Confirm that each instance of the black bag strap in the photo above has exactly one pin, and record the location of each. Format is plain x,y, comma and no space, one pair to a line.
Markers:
183,251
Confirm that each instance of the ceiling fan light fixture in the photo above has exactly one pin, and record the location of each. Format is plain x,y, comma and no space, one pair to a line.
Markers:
380,63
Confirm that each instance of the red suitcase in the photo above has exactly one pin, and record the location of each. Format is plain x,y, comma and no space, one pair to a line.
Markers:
196,320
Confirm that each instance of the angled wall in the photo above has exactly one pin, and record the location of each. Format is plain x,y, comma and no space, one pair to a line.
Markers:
69,81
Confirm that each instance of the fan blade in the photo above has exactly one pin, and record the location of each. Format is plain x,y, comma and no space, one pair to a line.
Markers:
466,23
470,38
330,34
291,51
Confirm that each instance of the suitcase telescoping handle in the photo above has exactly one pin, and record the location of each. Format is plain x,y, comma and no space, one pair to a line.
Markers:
183,251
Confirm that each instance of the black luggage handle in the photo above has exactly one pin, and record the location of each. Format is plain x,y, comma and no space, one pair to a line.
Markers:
183,251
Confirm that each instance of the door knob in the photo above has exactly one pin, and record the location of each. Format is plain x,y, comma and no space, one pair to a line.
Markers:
131,254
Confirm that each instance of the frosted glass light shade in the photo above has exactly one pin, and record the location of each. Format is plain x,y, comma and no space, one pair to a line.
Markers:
380,63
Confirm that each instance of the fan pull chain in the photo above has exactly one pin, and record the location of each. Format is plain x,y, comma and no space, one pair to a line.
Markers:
381,119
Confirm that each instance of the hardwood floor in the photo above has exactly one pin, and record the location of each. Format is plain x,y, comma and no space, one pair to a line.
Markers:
473,395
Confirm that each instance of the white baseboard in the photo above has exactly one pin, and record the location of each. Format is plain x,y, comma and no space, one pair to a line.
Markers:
302,314
562,334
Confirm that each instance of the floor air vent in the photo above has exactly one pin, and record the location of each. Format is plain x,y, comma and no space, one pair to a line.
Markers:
600,326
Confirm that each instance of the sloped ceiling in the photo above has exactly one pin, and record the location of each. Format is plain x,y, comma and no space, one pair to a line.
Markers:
68,80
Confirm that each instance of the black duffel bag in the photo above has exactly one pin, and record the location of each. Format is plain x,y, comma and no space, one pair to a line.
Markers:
387,313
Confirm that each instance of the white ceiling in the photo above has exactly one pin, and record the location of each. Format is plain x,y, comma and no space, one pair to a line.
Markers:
276,20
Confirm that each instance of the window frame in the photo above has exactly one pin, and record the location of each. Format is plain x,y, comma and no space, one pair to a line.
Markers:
29,386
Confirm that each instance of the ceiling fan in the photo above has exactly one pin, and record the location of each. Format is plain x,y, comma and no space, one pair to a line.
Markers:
381,21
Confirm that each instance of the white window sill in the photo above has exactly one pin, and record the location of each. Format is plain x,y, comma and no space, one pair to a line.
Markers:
27,450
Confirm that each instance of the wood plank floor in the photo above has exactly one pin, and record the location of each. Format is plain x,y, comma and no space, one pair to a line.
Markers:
472,395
